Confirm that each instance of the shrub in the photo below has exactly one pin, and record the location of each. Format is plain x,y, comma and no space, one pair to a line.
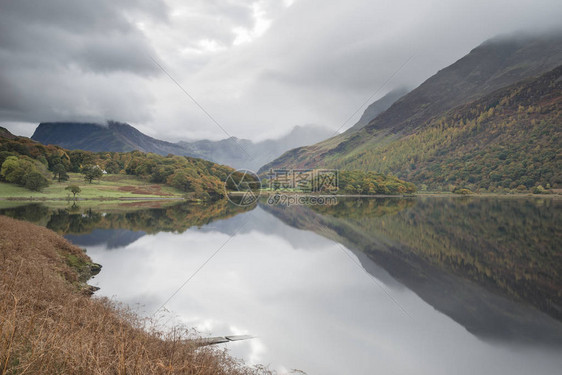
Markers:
35,181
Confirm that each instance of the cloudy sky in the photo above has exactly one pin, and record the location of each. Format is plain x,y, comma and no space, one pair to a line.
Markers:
257,67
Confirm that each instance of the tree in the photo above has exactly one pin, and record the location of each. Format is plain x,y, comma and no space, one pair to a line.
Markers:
60,171
35,181
4,155
15,170
74,189
113,167
181,181
9,171
91,172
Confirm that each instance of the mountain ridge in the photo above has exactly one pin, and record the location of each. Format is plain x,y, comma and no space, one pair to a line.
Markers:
116,136
122,137
492,66
376,108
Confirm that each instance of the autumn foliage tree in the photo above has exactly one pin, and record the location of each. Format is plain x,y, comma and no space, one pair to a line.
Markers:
25,172
92,172
59,172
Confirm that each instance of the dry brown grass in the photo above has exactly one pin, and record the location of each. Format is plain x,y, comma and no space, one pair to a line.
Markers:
48,325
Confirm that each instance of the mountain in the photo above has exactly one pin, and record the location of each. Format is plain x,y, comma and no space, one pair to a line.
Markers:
114,136
426,124
508,139
378,107
120,137
242,153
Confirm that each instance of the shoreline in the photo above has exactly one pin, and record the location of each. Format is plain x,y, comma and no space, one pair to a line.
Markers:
46,199
49,315
414,195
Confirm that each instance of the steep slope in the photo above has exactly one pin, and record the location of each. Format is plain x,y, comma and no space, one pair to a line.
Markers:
508,139
493,65
378,107
5,133
115,136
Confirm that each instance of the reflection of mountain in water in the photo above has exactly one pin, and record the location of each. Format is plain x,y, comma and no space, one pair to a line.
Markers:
260,221
489,264
454,255
110,238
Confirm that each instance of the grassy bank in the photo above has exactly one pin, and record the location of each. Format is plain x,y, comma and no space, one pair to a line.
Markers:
114,186
49,325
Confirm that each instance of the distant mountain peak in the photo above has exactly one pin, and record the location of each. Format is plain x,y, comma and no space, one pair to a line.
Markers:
122,137
113,136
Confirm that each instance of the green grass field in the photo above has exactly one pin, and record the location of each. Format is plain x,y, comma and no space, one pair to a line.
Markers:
109,187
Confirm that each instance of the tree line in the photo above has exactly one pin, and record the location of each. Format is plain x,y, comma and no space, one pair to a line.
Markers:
34,166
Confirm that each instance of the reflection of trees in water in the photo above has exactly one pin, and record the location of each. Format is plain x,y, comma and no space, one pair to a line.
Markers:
507,245
74,220
35,213
362,208
513,245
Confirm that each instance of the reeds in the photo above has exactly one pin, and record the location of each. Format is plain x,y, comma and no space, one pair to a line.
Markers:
48,325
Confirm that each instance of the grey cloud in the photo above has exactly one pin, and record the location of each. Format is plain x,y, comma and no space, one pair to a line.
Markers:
212,20
83,16
319,60
126,54
96,35
75,59
358,44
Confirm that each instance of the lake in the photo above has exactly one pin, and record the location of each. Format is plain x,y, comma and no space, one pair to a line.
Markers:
425,285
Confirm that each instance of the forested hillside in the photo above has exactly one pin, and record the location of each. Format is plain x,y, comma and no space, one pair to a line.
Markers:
509,139
489,121
22,159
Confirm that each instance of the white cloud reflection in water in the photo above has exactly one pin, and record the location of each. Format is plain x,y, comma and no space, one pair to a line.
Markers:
309,305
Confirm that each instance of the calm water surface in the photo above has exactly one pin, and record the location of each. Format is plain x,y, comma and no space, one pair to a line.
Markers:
389,286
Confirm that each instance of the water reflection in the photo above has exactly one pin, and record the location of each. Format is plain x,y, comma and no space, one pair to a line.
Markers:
511,246
121,224
282,275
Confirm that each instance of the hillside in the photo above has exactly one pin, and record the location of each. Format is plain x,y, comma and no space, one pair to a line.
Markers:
49,324
378,107
114,136
120,137
493,65
5,133
22,158
508,139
